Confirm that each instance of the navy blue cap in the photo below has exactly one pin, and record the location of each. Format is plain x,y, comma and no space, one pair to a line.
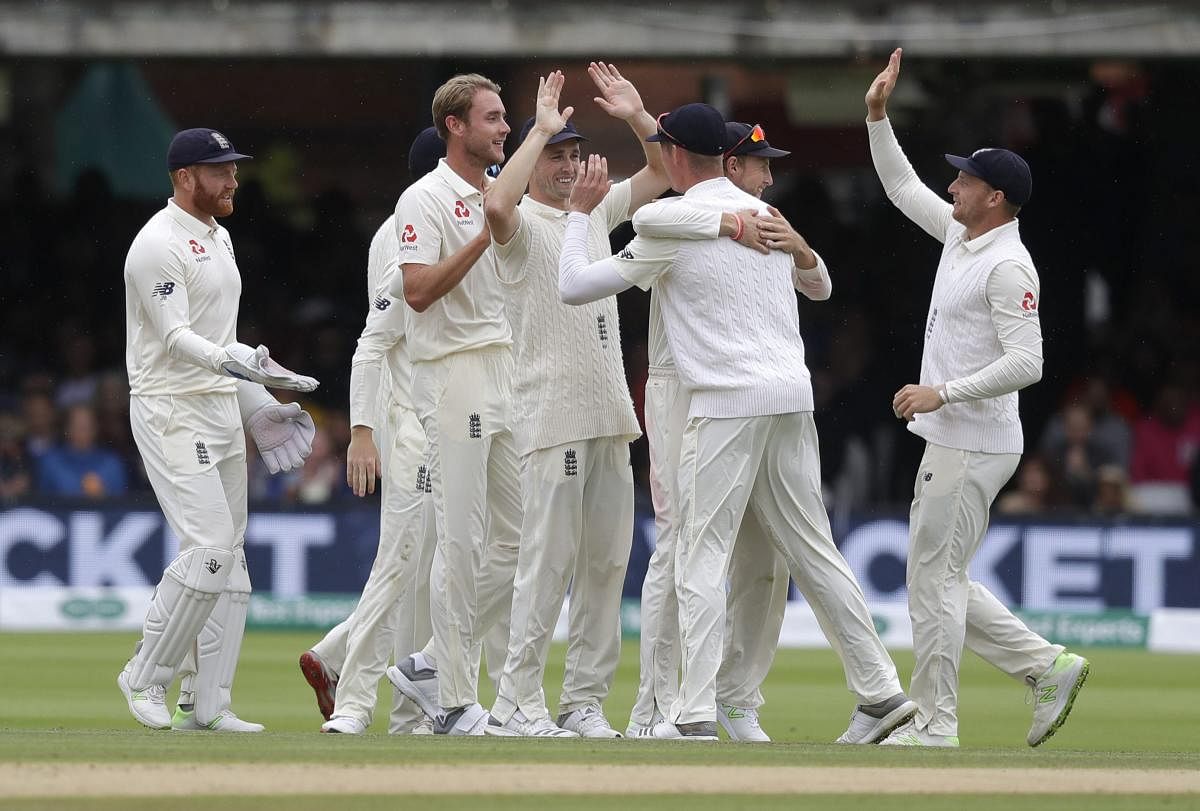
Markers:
743,139
564,134
201,145
695,127
1001,169
426,150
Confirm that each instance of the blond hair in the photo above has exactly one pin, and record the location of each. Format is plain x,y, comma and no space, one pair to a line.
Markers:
454,98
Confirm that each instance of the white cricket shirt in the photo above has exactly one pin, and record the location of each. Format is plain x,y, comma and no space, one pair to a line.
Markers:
382,344
436,217
730,313
983,335
181,277
568,374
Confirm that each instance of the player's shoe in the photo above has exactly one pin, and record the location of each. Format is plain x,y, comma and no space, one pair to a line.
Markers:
148,706
698,731
413,677
519,726
588,722
908,735
423,727
226,721
1054,694
741,723
644,732
322,680
345,725
468,720
871,723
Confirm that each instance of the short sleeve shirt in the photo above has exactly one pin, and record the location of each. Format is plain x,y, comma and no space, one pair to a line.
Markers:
436,217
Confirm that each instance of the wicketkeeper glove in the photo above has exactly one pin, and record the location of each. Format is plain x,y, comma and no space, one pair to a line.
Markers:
247,363
284,435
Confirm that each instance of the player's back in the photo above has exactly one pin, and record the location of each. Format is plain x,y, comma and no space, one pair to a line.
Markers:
732,320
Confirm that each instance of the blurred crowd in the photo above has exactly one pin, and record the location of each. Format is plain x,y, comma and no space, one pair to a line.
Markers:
1113,427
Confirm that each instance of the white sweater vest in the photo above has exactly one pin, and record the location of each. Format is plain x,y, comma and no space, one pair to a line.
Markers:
960,339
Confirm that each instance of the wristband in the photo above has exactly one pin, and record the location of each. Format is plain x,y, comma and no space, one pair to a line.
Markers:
736,235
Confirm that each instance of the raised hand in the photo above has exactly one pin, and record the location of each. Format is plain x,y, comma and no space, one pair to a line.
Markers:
881,88
548,119
591,186
618,97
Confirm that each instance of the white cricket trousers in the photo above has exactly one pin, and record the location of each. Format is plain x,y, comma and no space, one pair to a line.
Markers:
577,528
948,519
758,578
194,451
388,614
772,465
463,401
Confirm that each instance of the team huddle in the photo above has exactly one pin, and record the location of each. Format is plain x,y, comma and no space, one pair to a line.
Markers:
489,397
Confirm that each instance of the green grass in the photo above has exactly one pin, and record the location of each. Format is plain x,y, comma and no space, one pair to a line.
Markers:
60,703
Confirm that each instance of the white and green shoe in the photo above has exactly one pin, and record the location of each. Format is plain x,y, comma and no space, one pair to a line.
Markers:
148,706
1054,694
908,735
226,721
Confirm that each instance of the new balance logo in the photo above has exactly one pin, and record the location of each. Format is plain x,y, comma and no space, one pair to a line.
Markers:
162,289
382,303
212,566
474,427
932,321
422,479
202,453
928,477
570,463
602,326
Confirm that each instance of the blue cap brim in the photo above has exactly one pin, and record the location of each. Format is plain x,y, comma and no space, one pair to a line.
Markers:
964,164
565,136
228,158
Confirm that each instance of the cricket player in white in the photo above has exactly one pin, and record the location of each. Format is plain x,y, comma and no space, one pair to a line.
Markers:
460,345
192,388
983,342
573,418
732,325
758,574
392,615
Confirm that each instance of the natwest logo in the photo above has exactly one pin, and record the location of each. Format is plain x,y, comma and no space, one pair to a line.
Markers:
409,234
1028,303
460,210
196,246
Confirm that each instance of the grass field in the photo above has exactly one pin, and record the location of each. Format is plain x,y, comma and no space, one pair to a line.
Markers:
1133,741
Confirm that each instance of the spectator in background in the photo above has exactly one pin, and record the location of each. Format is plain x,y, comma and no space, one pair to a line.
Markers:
41,422
1075,454
79,467
1035,492
15,466
1112,491
77,358
112,419
1110,437
1164,448
321,479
